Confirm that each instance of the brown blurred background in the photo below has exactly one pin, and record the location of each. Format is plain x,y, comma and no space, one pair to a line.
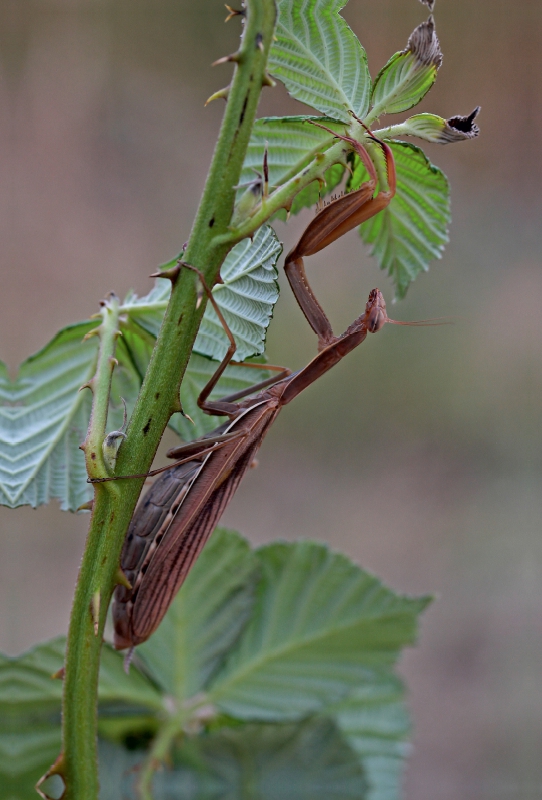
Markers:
420,454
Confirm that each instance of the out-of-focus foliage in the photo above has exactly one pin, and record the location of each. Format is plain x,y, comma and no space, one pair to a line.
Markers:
292,635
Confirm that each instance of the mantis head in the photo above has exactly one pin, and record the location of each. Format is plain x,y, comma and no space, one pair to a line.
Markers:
376,315
375,311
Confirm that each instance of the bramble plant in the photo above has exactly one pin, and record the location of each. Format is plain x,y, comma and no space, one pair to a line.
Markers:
272,673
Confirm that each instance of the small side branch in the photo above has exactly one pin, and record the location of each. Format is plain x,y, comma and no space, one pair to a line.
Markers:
100,385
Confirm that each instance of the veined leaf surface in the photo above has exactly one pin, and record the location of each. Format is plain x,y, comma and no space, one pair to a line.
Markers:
319,59
307,761
413,229
374,720
246,299
44,416
320,627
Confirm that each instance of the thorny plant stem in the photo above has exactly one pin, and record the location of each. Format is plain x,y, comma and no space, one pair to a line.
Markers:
86,624
284,195
157,401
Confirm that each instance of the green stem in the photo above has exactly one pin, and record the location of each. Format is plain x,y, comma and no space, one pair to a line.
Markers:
158,399
87,619
158,753
393,131
100,386
284,196
191,714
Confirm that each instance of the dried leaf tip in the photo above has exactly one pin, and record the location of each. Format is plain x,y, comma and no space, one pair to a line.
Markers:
465,125
424,44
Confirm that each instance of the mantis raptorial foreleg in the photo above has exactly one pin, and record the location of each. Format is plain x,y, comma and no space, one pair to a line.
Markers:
336,219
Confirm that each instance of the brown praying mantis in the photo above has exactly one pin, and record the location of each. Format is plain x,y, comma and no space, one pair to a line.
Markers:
178,514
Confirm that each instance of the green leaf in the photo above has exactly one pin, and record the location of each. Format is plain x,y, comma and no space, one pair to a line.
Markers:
205,619
375,722
28,689
116,686
310,761
43,422
409,74
5,383
44,416
292,144
413,229
29,718
26,686
25,755
319,59
320,627
246,299
278,762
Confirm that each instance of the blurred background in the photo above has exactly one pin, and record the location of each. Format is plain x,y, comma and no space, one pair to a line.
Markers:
419,455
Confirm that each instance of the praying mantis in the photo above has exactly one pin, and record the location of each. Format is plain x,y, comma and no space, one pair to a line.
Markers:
172,524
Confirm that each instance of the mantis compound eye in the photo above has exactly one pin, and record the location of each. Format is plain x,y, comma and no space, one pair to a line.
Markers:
375,311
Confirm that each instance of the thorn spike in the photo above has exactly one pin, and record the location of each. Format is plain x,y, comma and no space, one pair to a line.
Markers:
122,580
170,274
232,58
233,12
267,80
93,332
222,93
59,674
